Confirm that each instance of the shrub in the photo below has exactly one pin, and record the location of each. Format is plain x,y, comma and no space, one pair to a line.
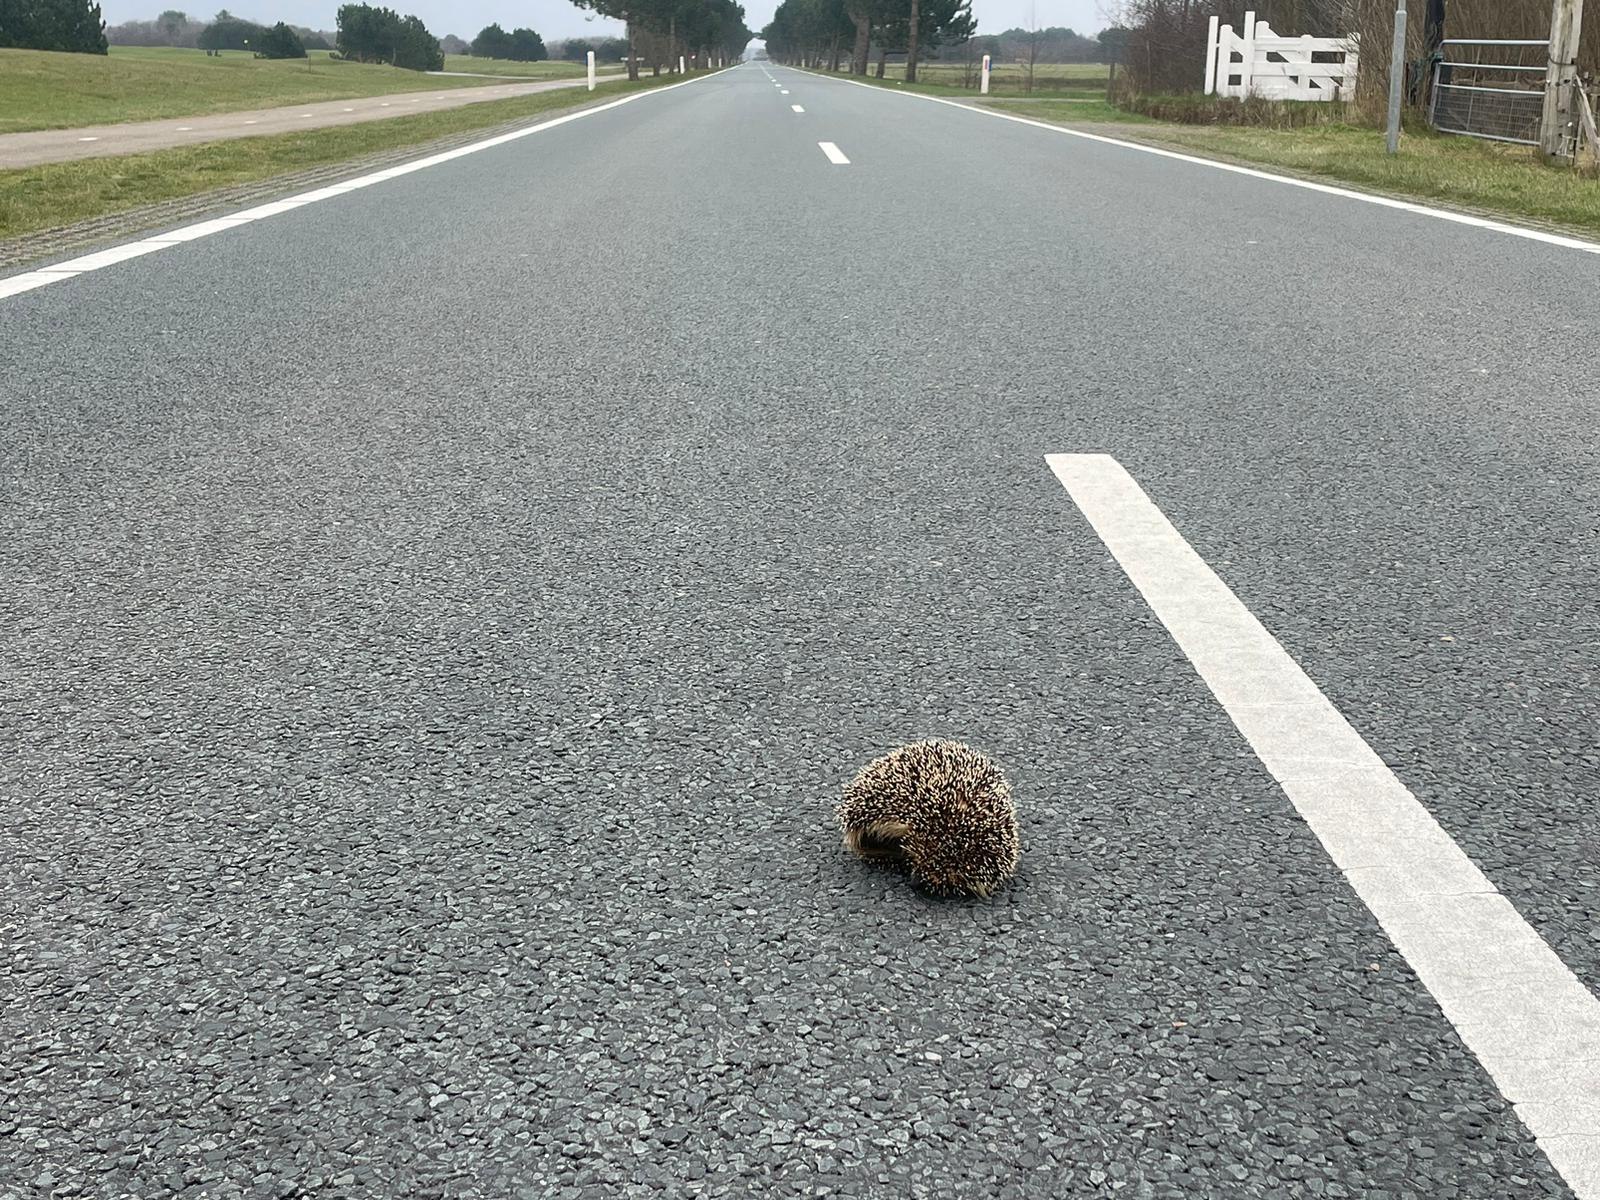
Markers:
230,33
279,42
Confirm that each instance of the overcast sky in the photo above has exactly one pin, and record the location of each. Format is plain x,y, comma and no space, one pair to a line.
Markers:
558,18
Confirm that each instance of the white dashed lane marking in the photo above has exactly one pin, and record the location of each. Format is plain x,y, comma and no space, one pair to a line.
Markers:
835,155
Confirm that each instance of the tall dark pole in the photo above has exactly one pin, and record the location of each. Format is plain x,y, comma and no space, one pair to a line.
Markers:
1433,29
911,43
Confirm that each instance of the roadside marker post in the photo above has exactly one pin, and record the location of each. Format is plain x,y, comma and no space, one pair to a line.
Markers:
680,64
1397,74
591,70
1561,79
983,87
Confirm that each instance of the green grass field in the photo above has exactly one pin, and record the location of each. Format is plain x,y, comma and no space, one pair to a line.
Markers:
1010,79
533,70
1074,83
42,90
1456,172
1059,80
58,194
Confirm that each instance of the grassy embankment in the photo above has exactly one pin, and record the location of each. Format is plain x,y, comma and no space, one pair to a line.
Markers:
42,90
1081,86
531,70
57,194
1455,172
1010,79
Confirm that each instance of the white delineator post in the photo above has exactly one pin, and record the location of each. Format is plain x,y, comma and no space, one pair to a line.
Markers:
591,70
983,87
680,64
1212,50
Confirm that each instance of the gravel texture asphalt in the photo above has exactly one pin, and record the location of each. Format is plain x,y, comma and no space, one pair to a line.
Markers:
438,622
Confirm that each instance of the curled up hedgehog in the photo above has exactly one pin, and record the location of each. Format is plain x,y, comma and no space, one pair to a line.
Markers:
941,810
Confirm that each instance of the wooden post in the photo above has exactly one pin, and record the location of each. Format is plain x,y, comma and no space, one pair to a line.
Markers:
1561,77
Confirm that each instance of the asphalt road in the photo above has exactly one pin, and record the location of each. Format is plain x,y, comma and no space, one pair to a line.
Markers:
438,622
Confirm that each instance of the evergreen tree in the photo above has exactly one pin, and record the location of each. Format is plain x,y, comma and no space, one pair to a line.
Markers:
279,42
491,42
381,35
75,26
228,32
527,46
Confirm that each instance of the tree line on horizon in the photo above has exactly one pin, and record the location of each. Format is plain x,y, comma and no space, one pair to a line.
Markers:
659,32
817,32
178,29
662,31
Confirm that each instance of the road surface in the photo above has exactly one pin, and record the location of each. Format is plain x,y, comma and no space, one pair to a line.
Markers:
38,146
439,621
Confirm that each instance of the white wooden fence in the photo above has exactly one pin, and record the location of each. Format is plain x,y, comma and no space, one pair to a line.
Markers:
1259,62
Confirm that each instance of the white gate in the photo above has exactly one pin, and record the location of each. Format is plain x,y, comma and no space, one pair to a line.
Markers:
1259,62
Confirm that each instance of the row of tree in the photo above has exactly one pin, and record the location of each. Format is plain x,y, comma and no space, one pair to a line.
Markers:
75,26
815,32
577,49
381,35
520,45
1053,44
177,28
228,32
665,30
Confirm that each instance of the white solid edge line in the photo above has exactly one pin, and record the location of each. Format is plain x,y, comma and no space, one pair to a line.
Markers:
1529,1020
835,155
15,285
1327,189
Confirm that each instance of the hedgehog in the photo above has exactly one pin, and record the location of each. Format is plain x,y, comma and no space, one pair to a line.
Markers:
939,809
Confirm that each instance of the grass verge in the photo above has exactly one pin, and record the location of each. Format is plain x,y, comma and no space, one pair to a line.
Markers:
1010,79
949,84
546,69
40,89
1456,172
57,194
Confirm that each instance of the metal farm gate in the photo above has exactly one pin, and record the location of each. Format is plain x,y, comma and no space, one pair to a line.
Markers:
1481,90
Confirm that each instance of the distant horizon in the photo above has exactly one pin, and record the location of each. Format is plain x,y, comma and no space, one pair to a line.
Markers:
557,20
